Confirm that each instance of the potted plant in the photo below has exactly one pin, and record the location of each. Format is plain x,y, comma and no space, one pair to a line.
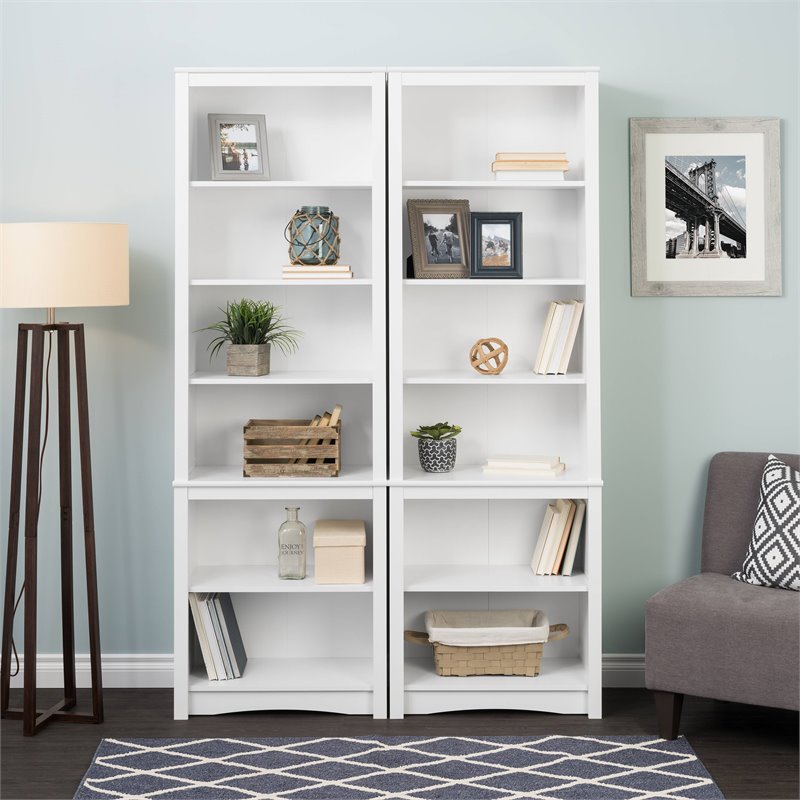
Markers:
437,446
251,327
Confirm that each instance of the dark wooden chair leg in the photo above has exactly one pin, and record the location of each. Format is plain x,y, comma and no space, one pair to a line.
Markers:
668,710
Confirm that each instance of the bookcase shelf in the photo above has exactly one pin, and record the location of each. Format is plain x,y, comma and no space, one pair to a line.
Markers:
279,282
293,675
487,578
509,377
289,377
280,185
449,529
262,578
494,184
229,244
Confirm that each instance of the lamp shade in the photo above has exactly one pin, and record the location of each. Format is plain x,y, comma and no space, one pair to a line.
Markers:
62,264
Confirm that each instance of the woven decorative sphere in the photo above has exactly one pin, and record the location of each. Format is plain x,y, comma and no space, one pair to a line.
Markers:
489,356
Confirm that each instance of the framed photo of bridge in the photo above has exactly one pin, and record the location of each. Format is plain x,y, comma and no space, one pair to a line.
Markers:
705,207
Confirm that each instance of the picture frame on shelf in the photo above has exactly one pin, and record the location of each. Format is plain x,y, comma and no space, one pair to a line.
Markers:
496,244
238,144
439,238
705,207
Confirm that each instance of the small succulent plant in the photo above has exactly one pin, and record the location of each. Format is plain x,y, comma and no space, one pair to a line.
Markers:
441,430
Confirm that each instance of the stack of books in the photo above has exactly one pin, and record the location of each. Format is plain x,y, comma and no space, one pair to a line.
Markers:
305,272
557,544
218,634
558,337
530,166
524,466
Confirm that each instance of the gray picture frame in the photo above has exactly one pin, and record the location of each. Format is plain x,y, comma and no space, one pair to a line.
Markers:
423,267
767,256
218,171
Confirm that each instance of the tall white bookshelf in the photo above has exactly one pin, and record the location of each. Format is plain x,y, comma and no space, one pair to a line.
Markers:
354,140
309,647
463,540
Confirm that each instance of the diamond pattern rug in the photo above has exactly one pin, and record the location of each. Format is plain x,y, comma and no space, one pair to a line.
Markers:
398,767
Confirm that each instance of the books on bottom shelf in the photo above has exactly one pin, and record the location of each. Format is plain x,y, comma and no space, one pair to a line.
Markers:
558,337
218,634
557,544
308,272
524,466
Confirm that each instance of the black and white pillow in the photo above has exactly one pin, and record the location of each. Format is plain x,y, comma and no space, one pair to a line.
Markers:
773,558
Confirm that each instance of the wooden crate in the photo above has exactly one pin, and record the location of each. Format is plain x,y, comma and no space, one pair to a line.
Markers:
291,448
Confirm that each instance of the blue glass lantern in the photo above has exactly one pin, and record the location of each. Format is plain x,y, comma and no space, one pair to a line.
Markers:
313,236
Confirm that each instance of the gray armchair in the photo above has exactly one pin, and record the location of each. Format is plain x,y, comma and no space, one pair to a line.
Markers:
713,636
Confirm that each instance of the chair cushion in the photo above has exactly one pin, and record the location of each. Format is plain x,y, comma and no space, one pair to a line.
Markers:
713,636
773,557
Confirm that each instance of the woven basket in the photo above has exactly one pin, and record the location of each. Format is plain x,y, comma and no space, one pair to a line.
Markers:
504,659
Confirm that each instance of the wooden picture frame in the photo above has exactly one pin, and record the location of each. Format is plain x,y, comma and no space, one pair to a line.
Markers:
496,244
238,144
705,207
439,238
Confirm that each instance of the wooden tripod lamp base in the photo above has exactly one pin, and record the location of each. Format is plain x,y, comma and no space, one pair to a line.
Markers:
32,720
50,265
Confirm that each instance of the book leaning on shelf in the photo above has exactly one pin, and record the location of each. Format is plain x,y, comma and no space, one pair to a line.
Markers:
557,543
559,334
218,634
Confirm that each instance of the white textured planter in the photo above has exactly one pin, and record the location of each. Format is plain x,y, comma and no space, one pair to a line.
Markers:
248,359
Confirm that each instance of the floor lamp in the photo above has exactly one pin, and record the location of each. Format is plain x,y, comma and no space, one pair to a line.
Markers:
49,265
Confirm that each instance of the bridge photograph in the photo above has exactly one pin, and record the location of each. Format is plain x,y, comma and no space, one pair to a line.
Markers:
705,206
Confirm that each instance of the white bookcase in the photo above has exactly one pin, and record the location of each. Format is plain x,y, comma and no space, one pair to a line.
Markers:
460,540
309,647
464,540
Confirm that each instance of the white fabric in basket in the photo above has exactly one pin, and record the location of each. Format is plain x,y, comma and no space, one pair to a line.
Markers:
487,628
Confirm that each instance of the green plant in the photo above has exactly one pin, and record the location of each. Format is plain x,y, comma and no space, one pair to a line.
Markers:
441,430
253,322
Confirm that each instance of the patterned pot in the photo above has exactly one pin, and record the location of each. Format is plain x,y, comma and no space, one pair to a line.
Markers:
437,455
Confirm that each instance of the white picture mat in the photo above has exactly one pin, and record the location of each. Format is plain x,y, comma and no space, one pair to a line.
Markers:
661,145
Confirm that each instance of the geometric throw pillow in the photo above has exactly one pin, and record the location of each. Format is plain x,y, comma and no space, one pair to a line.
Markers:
773,558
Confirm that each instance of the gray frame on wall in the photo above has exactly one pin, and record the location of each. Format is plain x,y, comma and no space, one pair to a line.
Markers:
661,266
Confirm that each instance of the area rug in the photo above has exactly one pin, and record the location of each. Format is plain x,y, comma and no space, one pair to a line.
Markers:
398,767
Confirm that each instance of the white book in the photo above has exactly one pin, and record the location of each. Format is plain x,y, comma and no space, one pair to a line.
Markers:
529,175
547,322
574,537
216,652
562,543
524,473
561,338
200,629
546,521
569,345
523,462
316,268
550,339
554,535
316,276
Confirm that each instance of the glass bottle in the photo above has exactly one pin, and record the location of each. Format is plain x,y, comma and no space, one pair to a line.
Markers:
292,547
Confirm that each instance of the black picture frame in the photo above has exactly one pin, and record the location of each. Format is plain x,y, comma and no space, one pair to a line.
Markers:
506,250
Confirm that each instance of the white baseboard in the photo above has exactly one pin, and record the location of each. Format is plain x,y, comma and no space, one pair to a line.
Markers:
120,671
154,670
623,670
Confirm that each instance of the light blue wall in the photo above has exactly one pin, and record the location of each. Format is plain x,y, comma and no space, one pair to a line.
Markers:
87,101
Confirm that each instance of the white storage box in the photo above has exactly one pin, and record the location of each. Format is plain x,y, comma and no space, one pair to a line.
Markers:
339,546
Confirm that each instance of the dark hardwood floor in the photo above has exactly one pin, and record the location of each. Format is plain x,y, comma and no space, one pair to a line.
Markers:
751,752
